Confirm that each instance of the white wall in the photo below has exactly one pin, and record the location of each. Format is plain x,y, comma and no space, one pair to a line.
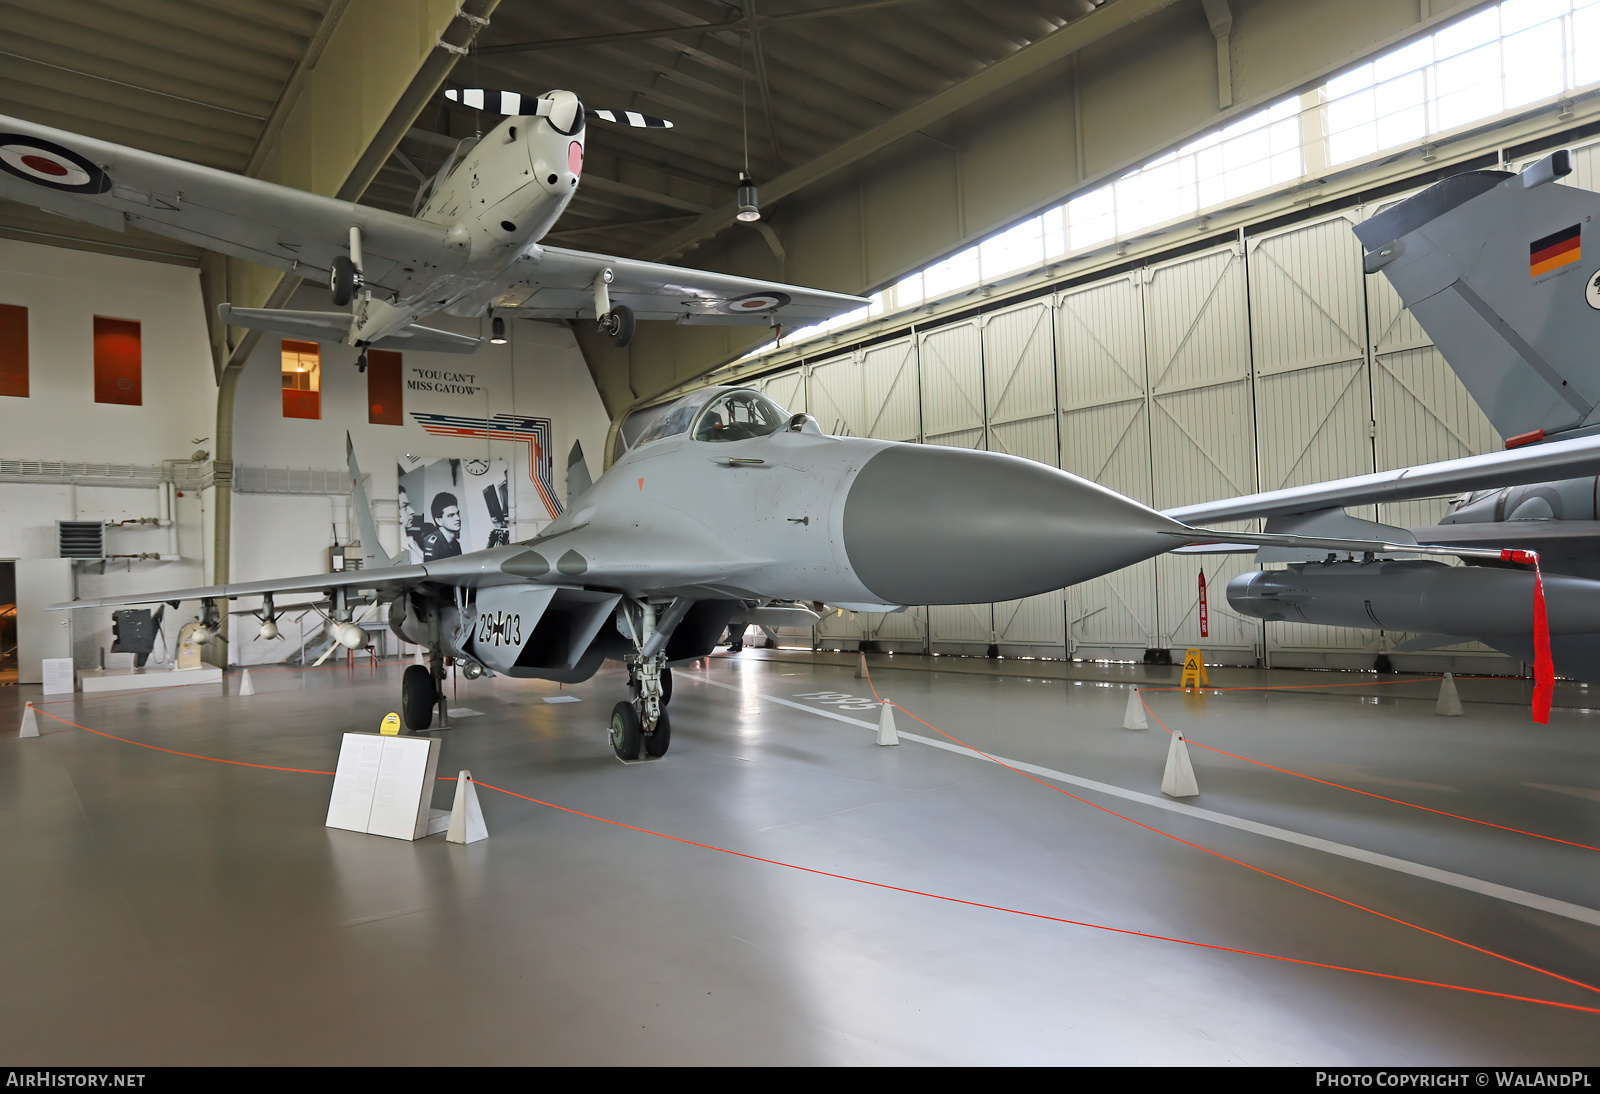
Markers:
540,373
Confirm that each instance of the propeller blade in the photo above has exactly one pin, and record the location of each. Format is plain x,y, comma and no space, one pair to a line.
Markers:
491,102
629,117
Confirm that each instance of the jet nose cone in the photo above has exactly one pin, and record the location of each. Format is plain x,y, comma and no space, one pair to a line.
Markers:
931,525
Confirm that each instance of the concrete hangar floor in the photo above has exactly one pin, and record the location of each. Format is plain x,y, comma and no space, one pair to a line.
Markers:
163,909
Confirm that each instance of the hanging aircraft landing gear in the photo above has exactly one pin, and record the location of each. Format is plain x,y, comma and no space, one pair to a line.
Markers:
361,361
417,697
619,325
343,280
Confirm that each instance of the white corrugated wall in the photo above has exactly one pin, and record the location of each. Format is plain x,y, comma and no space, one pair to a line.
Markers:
1261,364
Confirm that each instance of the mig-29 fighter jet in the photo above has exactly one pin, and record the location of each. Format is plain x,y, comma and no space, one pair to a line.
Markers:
472,246
726,503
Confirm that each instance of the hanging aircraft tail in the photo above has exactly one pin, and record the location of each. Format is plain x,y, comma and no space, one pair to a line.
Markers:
372,555
1503,272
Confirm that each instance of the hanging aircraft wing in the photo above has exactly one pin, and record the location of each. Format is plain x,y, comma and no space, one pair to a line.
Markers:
117,187
333,326
555,283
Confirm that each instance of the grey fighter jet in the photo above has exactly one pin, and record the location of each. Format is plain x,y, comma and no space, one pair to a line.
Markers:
471,248
726,503
1503,272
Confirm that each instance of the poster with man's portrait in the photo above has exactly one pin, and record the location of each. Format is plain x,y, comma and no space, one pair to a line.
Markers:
452,506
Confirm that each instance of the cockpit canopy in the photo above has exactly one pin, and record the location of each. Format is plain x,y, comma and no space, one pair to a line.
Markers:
717,414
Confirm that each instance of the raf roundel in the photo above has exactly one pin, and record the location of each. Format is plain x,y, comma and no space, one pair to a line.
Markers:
48,164
754,303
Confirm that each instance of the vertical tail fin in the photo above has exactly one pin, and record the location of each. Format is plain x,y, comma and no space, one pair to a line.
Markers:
372,555
578,479
1498,270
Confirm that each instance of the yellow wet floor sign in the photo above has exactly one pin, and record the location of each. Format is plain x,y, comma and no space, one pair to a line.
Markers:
1194,669
391,725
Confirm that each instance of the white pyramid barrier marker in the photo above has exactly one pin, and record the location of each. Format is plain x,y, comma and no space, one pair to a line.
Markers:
246,687
30,722
886,730
861,666
1449,704
466,815
1134,718
1178,780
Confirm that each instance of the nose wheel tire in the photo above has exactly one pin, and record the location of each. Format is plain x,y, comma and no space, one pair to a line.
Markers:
343,280
626,734
417,698
655,744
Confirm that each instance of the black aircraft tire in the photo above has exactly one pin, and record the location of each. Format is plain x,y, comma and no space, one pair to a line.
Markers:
656,744
622,326
342,280
626,733
417,698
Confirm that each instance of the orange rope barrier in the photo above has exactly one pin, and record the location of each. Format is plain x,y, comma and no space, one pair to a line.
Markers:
1238,862
1368,793
950,899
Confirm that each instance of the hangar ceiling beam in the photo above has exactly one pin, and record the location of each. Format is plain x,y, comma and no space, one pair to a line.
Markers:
1104,94
736,23
1055,47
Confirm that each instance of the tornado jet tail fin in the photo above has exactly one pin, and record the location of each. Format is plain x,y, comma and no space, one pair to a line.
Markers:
372,555
1503,273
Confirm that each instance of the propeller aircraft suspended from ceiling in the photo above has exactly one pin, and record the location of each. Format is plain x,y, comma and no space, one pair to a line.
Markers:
470,247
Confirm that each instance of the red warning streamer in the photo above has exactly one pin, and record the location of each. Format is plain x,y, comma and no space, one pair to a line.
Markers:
1205,619
1544,672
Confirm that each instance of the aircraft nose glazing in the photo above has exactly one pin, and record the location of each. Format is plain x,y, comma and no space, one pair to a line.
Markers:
931,525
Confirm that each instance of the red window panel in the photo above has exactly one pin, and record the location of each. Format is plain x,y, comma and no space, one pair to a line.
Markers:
302,404
385,389
13,351
117,362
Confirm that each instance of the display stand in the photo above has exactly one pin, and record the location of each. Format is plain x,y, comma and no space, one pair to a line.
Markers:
384,786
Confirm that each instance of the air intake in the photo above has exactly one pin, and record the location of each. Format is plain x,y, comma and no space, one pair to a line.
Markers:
81,539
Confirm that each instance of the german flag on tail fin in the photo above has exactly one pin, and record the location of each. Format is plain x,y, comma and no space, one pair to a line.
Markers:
1554,251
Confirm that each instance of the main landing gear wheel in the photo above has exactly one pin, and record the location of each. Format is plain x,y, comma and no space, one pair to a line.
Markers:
619,325
656,744
343,280
417,698
626,733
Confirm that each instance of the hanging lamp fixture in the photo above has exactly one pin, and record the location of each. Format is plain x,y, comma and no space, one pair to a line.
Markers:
749,205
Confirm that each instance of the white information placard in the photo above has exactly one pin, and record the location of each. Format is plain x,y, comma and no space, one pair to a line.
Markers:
384,785
354,780
58,678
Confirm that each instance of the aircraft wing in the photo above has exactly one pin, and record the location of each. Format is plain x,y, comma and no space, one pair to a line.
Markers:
333,326
1534,463
390,577
294,230
556,283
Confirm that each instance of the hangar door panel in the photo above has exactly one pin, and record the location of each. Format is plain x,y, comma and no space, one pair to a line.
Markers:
1202,428
1313,383
833,394
1105,437
892,411
951,360
891,399
1020,403
787,389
